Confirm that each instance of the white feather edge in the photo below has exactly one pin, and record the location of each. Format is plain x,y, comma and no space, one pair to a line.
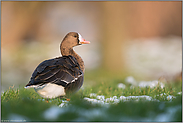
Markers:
31,86
76,78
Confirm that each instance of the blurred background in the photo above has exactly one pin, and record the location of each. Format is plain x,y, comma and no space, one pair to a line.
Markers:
140,39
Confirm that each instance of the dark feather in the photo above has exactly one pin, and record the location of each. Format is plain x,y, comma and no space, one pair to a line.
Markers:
61,71
74,86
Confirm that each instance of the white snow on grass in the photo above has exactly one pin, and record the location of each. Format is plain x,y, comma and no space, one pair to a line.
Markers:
143,84
151,84
130,80
179,93
121,85
93,95
100,99
163,94
166,97
137,98
170,97
64,103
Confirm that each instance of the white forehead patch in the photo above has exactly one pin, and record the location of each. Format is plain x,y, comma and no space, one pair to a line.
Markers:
80,38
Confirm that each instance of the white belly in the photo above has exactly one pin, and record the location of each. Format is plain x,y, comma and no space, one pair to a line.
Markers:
50,90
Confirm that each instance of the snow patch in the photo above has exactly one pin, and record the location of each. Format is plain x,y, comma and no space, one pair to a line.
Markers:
100,99
130,80
143,84
121,85
179,93
170,97
151,84
93,95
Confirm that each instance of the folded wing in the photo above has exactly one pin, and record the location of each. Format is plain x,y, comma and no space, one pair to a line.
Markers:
61,71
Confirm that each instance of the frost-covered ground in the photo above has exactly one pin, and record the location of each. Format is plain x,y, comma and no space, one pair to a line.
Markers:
88,114
143,84
122,100
100,99
168,114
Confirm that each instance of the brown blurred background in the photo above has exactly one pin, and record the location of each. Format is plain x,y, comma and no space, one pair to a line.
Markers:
142,39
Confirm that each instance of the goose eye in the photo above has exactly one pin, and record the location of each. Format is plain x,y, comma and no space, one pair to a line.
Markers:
75,36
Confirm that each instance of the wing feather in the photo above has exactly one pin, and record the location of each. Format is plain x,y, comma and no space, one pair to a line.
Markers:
61,71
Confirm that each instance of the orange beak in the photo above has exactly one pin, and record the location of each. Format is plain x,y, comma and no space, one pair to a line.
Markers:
83,41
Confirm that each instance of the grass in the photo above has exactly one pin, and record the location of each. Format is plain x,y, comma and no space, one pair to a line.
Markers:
27,105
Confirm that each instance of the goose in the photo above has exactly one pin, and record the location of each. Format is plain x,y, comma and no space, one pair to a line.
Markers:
60,76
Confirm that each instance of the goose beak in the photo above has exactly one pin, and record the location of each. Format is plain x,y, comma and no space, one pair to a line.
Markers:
82,40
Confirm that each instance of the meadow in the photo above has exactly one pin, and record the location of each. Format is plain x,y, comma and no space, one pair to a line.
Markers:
102,98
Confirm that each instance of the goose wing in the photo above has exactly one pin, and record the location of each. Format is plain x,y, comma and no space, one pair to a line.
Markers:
61,71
